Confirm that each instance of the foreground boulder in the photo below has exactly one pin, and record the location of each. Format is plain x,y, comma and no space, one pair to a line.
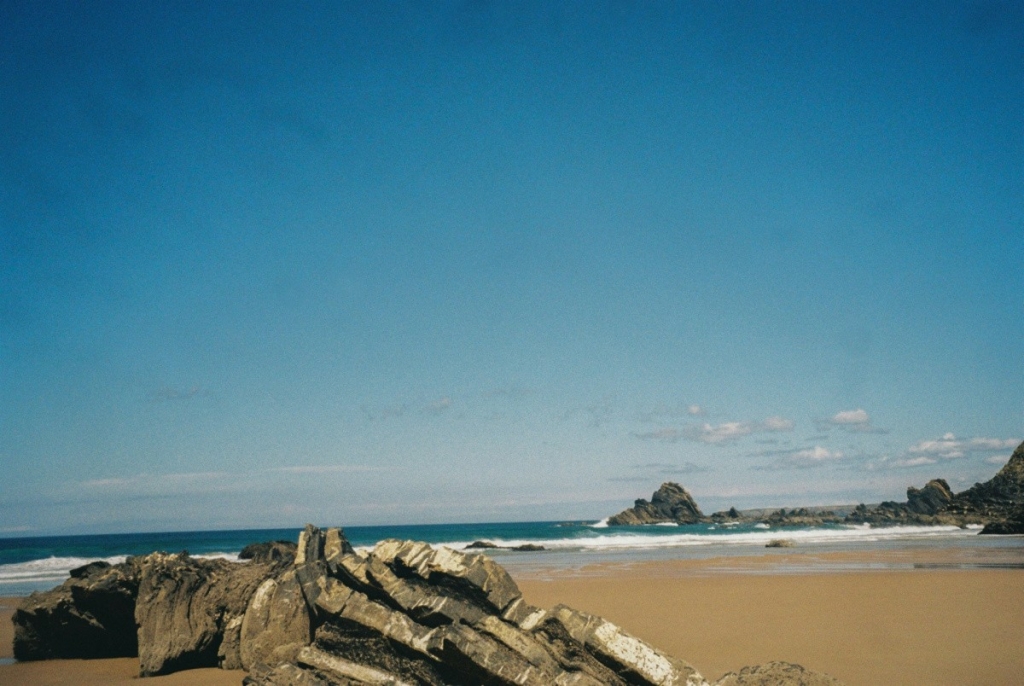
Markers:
776,674
403,613
671,503
92,614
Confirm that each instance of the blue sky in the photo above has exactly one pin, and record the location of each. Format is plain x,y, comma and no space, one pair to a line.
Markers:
436,262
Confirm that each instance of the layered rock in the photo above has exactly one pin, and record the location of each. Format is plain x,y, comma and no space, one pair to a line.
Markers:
404,613
671,503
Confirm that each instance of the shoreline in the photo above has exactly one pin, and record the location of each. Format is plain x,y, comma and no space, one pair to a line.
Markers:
936,616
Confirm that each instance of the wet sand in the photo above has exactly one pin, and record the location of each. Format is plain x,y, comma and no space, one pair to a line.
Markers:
866,619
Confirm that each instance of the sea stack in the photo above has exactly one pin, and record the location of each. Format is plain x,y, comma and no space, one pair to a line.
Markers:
670,504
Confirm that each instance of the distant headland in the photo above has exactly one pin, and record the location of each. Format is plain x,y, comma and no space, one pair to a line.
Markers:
998,504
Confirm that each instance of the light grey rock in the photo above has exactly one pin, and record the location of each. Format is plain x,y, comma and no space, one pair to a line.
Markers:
476,577
346,669
636,661
276,624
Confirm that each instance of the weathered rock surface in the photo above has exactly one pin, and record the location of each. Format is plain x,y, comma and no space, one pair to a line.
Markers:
190,611
271,552
89,615
777,674
403,614
1013,524
670,503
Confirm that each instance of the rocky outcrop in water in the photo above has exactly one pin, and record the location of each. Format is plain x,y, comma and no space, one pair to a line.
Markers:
404,613
670,504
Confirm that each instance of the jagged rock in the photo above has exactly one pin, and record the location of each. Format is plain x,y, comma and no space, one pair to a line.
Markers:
631,658
189,611
271,552
476,578
931,499
91,615
527,548
1013,524
801,516
481,545
347,670
777,674
670,503
283,674
276,624
994,500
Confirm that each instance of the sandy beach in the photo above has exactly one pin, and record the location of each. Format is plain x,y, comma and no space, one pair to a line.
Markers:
930,625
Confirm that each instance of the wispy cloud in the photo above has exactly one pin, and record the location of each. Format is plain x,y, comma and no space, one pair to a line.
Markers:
439,406
653,470
719,433
886,462
383,413
150,481
328,469
597,413
777,424
949,447
662,413
854,421
666,435
802,459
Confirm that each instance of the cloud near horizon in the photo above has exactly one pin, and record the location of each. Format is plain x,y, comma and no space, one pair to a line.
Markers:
806,458
853,421
949,447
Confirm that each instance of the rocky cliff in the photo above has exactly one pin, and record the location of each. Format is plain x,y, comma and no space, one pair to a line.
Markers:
320,614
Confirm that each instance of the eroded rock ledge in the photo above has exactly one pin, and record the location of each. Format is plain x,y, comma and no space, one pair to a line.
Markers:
323,615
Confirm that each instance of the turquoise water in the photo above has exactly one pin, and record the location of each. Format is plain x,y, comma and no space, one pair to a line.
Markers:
38,563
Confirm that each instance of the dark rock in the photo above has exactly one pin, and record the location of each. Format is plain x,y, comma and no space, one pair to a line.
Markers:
528,548
670,503
481,545
270,552
1013,524
781,543
931,499
777,674
994,500
91,615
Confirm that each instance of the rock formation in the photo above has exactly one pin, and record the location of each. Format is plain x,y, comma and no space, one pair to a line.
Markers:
995,503
670,504
776,674
405,613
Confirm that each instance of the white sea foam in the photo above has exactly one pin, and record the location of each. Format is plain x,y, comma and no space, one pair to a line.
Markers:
47,569
725,538
57,569
603,524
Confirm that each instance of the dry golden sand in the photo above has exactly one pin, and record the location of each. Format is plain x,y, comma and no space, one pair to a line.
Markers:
918,626
914,627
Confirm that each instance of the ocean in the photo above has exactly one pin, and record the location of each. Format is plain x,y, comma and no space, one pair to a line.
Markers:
39,563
